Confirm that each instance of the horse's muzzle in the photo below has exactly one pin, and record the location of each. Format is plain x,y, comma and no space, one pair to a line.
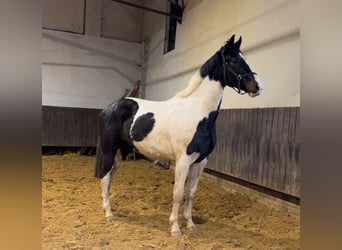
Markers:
254,94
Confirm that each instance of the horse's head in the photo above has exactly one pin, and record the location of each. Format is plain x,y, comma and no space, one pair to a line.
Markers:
236,71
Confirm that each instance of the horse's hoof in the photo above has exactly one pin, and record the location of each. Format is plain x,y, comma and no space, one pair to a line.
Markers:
192,228
176,234
109,218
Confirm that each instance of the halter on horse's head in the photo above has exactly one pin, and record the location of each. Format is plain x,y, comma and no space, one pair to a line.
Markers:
236,72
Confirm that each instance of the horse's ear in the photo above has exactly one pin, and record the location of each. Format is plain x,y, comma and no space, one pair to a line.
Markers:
238,43
230,42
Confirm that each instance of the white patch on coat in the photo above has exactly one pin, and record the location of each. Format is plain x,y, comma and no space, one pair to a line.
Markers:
176,119
105,185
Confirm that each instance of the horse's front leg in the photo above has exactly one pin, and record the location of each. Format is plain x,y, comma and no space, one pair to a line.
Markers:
193,178
181,171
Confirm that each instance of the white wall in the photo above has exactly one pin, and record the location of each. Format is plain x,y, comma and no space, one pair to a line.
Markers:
86,71
270,31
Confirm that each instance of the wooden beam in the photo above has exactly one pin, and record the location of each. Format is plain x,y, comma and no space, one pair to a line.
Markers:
146,8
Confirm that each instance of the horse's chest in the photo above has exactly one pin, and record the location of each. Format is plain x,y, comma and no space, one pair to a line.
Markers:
204,139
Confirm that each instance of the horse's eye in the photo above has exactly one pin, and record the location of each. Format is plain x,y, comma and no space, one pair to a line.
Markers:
231,59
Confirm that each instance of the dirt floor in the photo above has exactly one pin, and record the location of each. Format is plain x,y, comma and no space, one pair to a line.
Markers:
141,200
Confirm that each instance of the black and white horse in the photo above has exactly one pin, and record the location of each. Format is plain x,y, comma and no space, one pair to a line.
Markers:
180,129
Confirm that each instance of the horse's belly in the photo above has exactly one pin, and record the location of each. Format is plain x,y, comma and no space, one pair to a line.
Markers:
155,148
161,132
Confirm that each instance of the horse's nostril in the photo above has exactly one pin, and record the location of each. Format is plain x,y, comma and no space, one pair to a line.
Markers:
256,90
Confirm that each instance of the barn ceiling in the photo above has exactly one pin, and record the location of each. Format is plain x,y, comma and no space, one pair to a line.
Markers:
121,21
64,15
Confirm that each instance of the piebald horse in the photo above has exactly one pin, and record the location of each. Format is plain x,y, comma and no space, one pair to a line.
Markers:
180,129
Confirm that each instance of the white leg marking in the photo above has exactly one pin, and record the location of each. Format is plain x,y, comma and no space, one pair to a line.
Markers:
181,171
193,178
105,186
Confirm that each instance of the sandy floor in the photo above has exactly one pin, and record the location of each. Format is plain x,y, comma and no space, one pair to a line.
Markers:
141,199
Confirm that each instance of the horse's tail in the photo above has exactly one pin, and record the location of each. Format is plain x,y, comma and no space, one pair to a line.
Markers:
105,150
99,159
111,132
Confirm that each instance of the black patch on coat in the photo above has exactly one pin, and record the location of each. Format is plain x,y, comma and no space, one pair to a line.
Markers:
142,126
112,121
204,139
213,68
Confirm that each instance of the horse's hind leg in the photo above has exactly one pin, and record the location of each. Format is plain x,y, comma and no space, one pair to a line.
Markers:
193,178
105,185
108,161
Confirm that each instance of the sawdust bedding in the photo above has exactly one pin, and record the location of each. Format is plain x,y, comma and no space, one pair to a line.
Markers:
141,200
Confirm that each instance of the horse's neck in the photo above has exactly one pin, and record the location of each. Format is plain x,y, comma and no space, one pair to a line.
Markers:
202,92
208,94
194,82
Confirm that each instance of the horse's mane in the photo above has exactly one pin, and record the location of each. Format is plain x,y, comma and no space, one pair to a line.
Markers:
210,69
194,82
